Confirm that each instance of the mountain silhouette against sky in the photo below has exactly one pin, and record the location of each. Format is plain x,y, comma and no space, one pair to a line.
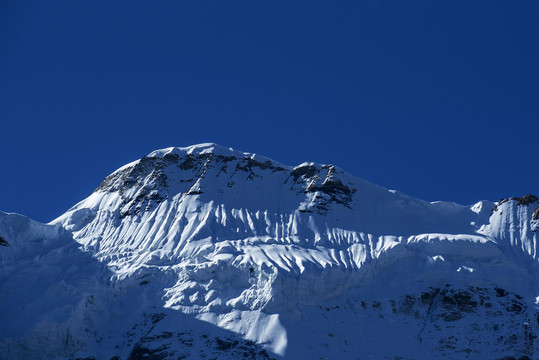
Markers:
208,252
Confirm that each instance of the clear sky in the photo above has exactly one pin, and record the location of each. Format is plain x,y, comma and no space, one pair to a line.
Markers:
437,99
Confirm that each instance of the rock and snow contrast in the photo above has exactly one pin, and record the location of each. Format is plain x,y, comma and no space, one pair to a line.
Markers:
205,252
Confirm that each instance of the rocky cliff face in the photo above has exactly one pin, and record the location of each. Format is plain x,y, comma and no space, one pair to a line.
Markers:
208,252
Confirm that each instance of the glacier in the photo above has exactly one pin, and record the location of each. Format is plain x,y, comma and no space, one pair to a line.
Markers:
208,252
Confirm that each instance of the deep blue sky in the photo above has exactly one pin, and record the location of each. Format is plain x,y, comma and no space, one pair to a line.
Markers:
439,100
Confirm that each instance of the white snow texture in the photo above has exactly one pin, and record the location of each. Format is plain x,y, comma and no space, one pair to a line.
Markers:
207,252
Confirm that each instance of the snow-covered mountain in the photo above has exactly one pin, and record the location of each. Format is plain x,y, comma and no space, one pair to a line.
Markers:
206,252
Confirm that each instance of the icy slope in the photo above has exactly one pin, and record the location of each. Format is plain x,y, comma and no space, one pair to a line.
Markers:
58,302
304,261
47,290
157,207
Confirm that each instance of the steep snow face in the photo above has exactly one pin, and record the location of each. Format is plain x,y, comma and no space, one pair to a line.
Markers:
514,224
176,196
47,290
304,261
58,302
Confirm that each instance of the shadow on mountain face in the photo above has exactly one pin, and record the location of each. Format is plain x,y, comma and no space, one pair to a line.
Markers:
173,335
404,314
59,302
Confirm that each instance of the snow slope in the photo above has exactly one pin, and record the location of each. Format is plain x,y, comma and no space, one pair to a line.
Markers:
205,251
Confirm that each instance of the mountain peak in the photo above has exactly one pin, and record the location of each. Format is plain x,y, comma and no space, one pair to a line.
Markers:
204,148
269,253
178,177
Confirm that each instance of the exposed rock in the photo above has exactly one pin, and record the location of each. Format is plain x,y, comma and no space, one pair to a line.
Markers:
524,200
170,345
306,171
521,201
535,215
